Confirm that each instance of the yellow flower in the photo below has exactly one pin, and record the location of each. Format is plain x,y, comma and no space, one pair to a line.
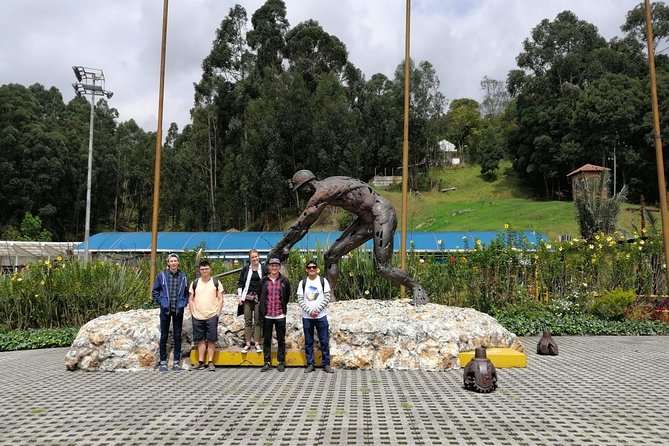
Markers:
59,258
42,282
350,274
235,262
304,260
422,261
126,305
366,292
597,237
464,260
506,226
641,242
591,246
548,246
560,249
19,279
36,296
440,242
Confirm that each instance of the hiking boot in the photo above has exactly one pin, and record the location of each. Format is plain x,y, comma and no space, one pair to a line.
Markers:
211,367
198,366
162,368
266,367
258,348
245,349
328,369
176,367
280,367
310,368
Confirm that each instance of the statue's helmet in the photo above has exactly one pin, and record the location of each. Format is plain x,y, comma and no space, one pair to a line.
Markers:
301,177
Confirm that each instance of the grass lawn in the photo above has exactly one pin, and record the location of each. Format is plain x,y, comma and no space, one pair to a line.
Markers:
478,204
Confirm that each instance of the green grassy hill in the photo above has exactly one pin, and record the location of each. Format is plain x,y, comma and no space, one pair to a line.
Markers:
478,204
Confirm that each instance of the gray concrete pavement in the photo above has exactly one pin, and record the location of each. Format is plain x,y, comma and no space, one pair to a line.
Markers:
599,391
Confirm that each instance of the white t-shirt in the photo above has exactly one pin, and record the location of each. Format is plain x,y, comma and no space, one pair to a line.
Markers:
311,296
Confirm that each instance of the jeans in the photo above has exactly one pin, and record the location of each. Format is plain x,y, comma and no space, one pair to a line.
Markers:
177,320
323,329
252,322
280,325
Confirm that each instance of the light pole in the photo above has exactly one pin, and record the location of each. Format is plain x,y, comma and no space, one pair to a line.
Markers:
90,81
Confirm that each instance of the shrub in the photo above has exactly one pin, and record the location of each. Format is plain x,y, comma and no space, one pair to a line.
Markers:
31,339
613,304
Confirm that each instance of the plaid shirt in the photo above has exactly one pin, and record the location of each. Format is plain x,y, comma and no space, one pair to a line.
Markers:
173,287
274,298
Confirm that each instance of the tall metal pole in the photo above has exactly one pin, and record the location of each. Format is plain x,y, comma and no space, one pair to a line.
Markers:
159,142
658,140
405,145
87,227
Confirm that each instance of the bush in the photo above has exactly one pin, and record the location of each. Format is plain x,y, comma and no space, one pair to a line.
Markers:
613,304
32,339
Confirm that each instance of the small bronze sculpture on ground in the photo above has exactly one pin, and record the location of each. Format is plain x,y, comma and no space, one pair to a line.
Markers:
547,345
480,375
376,220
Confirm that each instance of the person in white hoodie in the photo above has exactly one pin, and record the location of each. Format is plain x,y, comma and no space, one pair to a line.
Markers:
313,296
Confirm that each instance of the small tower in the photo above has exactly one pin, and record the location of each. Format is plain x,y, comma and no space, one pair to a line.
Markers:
595,176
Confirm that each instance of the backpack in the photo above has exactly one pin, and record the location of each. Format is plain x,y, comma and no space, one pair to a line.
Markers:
196,280
304,281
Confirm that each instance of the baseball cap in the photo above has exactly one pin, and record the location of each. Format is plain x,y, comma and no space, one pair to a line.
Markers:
274,260
172,255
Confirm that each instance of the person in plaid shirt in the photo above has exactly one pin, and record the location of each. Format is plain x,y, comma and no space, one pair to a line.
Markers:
273,302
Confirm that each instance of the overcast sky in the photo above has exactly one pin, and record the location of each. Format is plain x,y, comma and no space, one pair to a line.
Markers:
40,40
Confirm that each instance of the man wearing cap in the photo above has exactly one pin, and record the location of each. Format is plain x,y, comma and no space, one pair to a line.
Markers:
170,291
313,296
376,220
273,302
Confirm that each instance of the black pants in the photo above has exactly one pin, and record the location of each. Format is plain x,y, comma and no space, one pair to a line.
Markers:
280,325
177,319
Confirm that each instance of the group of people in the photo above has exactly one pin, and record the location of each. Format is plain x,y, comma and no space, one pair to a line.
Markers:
262,294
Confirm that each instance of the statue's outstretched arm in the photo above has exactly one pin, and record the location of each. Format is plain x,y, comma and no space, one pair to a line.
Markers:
298,230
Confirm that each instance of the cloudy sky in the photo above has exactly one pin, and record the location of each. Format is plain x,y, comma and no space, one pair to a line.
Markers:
40,40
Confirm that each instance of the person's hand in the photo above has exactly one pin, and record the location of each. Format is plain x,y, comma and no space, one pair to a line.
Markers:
240,300
314,313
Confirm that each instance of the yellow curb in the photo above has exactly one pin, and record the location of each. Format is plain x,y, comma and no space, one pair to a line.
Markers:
500,357
234,357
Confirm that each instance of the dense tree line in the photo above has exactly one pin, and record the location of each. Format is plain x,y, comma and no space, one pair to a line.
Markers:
274,99
579,99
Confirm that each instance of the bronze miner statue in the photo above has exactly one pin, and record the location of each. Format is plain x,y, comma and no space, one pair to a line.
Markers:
547,345
480,374
376,220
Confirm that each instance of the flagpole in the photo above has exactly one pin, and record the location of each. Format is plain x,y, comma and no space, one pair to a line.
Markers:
658,141
405,145
159,141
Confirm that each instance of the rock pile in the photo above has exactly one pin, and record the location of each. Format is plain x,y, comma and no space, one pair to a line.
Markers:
364,334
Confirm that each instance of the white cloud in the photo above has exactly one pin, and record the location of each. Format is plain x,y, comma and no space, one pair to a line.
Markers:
463,39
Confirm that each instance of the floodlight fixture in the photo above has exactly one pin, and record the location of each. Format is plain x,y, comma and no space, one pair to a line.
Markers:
90,81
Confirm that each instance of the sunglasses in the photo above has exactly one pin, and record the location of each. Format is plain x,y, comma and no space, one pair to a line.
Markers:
312,267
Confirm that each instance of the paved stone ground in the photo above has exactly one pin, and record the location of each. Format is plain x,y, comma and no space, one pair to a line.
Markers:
599,391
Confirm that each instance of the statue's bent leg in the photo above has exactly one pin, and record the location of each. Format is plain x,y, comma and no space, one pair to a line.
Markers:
355,235
384,232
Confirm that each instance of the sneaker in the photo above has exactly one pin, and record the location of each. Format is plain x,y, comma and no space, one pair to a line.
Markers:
245,349
310,368
266,367
177,367
328,369
211,367
280,367
198,366
258,348
162,368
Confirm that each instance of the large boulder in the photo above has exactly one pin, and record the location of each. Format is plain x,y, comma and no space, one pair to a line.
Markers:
363,334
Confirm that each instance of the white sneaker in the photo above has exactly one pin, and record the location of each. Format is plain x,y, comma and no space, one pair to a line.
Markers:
245,349
258,348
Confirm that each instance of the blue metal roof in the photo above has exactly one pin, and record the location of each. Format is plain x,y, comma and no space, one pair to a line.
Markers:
236,244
